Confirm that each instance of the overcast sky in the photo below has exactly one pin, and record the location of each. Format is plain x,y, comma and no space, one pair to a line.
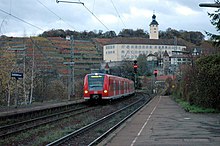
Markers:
32,17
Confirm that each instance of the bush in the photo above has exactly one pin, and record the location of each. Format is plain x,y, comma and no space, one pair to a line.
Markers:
57,91
207,81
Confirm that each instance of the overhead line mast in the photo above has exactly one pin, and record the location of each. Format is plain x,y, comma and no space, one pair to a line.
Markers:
213,5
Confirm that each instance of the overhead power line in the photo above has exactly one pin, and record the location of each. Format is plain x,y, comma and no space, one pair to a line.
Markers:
96,17
86,9
54,13
117,13
21,19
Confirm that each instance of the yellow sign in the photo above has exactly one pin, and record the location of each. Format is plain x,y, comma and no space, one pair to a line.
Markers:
96,76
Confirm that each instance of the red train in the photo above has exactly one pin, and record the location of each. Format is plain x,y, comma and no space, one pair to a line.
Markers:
98,86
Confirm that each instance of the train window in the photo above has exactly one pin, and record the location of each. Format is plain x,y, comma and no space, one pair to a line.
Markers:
96,82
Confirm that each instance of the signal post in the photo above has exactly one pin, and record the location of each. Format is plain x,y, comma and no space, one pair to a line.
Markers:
135,66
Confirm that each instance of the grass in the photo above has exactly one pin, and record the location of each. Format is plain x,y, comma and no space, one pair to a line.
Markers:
193,108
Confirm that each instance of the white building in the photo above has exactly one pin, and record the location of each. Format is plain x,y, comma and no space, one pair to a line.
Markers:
123,48
130,48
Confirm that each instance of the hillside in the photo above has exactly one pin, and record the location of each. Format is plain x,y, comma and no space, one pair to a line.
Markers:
51,53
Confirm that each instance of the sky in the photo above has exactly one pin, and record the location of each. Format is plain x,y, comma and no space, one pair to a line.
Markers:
24,18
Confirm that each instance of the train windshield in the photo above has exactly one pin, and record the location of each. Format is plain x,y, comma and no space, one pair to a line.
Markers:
96,82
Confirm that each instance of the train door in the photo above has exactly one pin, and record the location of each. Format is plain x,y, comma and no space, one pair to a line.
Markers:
119,87
125,88
122,87
114,87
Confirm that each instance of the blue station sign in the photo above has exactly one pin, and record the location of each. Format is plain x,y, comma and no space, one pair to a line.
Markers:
16,75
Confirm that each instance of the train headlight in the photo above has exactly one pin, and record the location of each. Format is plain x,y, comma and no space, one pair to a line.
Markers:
86,91
105,91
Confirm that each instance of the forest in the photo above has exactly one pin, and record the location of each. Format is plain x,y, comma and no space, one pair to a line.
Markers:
194,37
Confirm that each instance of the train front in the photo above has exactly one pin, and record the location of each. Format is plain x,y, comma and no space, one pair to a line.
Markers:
95,86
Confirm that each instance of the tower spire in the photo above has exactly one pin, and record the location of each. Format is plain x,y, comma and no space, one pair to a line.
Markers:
154,28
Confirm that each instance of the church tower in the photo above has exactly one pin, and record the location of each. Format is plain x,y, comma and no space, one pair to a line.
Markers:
154,34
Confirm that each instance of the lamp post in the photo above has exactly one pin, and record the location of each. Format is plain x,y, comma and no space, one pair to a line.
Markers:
71,86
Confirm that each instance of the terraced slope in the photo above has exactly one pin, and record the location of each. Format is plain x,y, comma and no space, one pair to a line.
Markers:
85,56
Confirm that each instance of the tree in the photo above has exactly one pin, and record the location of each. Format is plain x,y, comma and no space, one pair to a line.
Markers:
133,33
215,20
207,81
109,34
142,64
7,64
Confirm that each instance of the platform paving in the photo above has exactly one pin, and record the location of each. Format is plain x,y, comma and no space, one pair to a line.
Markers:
163,122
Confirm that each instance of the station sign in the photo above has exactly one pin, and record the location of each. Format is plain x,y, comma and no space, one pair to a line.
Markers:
17,75
69,63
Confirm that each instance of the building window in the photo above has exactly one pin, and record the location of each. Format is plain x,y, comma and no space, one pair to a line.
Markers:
127,47
122,51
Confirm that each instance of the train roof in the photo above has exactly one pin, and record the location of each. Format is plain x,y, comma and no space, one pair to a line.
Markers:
107,75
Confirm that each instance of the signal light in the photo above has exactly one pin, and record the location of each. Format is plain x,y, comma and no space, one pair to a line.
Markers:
135,66
155,72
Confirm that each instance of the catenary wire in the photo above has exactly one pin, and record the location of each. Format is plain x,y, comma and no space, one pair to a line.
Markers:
117,12
55,14
21,19
79,2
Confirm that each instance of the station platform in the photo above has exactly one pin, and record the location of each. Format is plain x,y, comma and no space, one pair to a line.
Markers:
10,111
162,122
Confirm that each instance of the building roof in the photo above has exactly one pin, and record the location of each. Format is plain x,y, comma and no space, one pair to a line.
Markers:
139,40
165,53
154,22
180,56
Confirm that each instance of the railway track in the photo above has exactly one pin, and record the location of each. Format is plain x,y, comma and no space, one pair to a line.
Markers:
34,112
12,129
44,131
94,132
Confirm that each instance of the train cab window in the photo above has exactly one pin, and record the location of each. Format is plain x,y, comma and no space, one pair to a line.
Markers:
96,82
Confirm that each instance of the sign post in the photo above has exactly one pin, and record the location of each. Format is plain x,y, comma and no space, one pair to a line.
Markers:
16,75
